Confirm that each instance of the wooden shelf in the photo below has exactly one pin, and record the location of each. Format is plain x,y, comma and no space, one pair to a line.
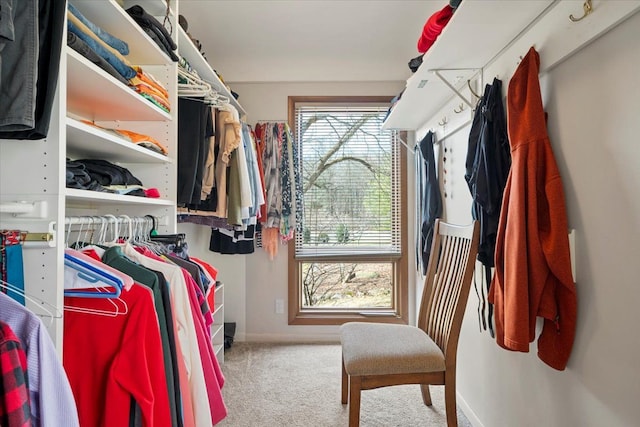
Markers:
108,15
464,46
95,95
190,52
84,197
86,141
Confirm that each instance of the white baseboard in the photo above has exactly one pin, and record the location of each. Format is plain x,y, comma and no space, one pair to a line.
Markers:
298,338
468,412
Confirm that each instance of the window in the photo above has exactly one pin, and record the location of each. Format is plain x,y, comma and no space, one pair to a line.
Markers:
349,261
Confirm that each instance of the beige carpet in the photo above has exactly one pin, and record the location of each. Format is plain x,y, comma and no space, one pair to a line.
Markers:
298,385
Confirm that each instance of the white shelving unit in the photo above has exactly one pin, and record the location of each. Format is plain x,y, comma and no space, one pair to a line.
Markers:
481,31
34,171
217,329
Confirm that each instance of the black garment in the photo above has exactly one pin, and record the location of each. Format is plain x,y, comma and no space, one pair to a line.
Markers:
231,242
78,177
192,128
487,167
107,173
158,40
429,200
51,15
146,21
83,49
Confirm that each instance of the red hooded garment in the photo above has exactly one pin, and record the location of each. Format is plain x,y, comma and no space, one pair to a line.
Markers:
533,266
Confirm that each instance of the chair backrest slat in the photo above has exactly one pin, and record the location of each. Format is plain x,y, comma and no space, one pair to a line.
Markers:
447,283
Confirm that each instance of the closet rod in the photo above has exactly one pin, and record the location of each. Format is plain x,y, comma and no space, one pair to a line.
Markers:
112,219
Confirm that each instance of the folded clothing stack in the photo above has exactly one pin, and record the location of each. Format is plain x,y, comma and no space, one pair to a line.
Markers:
104,176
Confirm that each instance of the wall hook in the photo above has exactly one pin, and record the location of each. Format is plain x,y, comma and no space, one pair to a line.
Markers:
473,92
588,8
460,108
443,121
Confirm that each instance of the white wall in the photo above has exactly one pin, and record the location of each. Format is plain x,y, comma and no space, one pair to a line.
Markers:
592,101
254,282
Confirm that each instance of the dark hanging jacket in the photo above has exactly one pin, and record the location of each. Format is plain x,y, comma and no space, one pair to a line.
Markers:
487,167
428,199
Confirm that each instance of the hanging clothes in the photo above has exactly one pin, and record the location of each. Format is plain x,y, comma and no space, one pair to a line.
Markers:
428,199
108,370
51,398
487,167
532,262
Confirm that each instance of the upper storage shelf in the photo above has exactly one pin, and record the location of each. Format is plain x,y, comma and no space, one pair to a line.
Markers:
476,33
108,15
94,95
480,33
190,52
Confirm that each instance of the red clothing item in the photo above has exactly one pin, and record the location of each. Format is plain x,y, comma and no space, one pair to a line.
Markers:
533,265
433,27
15,409
110,360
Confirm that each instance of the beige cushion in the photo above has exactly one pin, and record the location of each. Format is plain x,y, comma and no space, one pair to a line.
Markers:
379,348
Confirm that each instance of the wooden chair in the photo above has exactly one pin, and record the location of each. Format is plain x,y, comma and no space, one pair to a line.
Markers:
380,355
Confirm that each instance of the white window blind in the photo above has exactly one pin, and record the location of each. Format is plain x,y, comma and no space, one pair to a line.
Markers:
351,182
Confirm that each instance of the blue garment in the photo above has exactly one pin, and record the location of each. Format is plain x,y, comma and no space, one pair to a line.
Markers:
52,402
112,41
15,271
122,68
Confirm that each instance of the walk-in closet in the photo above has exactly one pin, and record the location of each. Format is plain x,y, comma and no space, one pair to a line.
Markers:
232,213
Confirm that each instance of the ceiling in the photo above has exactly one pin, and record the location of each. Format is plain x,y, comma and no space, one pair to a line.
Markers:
308,40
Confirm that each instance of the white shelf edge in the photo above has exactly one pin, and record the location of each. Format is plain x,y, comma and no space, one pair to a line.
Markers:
78,64
96,196
217,309
124,145
217,328
402,115
190,52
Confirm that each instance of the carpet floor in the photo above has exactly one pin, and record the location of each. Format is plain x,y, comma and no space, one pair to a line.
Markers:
298,385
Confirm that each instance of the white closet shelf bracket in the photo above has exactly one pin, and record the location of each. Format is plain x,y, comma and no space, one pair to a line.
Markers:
437,72
24,209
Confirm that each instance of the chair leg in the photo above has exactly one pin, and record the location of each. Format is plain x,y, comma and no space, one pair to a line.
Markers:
354,401
345,384
450,398
426,395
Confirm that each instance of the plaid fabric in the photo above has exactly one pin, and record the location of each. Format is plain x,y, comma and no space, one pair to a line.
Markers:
15,410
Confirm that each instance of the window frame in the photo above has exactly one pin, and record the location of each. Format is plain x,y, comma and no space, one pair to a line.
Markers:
337,316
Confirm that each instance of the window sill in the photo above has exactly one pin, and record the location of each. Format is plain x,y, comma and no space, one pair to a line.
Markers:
338,318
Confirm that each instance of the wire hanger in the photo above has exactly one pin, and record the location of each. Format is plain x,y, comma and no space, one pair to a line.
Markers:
52,313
